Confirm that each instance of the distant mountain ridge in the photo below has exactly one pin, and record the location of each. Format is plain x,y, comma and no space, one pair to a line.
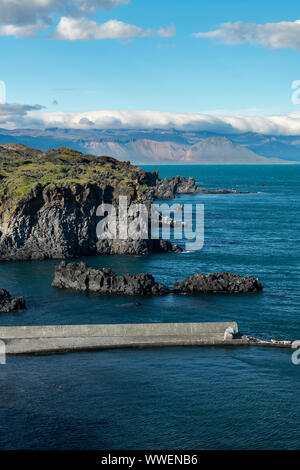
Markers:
143,146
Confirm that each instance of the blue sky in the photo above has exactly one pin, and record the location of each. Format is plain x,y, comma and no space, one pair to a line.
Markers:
179,73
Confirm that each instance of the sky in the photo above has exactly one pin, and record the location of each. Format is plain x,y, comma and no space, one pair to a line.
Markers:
162,63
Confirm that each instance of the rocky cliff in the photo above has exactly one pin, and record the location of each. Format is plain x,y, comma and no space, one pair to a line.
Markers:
48,202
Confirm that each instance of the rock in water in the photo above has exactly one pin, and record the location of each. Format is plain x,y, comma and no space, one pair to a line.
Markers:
223,283
49,202
9,304
81,277
168,188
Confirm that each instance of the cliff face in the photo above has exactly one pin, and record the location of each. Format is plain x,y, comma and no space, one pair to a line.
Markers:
48,203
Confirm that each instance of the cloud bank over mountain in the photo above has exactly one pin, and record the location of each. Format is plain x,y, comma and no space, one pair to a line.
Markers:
14,116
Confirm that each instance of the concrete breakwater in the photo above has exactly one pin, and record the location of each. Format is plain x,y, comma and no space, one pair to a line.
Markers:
71,338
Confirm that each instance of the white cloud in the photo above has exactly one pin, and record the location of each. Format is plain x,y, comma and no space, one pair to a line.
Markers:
24,12
34,117
91,6
285,34
13,116
20,31
81,28
25,18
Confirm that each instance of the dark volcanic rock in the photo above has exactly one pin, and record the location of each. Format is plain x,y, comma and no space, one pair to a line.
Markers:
9,304
136,247
168,188
79,276
223,283
49,201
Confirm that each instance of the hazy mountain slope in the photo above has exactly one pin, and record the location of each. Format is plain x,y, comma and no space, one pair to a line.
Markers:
164,145
213,150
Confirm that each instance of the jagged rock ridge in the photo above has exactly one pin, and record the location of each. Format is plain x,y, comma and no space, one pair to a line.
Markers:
9,304
79,276
222,283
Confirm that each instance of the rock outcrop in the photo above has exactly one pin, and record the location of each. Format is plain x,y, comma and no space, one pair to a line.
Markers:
49,200
168,188
48,203
80,277
136,247
218,283
9,304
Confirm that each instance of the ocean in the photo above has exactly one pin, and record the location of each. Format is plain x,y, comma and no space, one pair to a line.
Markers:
180,398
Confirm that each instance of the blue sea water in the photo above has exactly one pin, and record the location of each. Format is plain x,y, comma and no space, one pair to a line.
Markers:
208,398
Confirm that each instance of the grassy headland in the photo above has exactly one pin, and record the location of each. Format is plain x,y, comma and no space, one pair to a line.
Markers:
23,168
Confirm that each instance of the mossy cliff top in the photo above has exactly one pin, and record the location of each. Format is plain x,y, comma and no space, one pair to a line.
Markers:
22,168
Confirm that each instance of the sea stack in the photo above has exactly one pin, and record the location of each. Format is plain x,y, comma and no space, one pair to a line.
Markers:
9,304
80,277
218,283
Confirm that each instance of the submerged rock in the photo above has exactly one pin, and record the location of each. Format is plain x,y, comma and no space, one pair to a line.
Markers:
81,277
9,304
223,283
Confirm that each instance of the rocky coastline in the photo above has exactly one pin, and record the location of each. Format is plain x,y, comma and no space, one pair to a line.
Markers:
81,277
48,202
168,188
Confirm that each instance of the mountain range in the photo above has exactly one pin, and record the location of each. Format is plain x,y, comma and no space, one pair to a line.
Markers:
159,146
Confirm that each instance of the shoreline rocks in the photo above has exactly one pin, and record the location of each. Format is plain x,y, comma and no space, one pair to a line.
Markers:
136,247
168,188
9,304
81,277
218,283
54,215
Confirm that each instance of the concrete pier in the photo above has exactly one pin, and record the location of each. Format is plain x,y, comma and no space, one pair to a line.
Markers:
68,338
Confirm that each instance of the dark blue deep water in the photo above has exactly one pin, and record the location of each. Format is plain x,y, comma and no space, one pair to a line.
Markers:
197,398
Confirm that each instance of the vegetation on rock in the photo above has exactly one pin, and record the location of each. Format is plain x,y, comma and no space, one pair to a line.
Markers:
22,169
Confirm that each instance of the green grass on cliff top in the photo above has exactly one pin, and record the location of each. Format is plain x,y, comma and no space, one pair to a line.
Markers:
22,168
